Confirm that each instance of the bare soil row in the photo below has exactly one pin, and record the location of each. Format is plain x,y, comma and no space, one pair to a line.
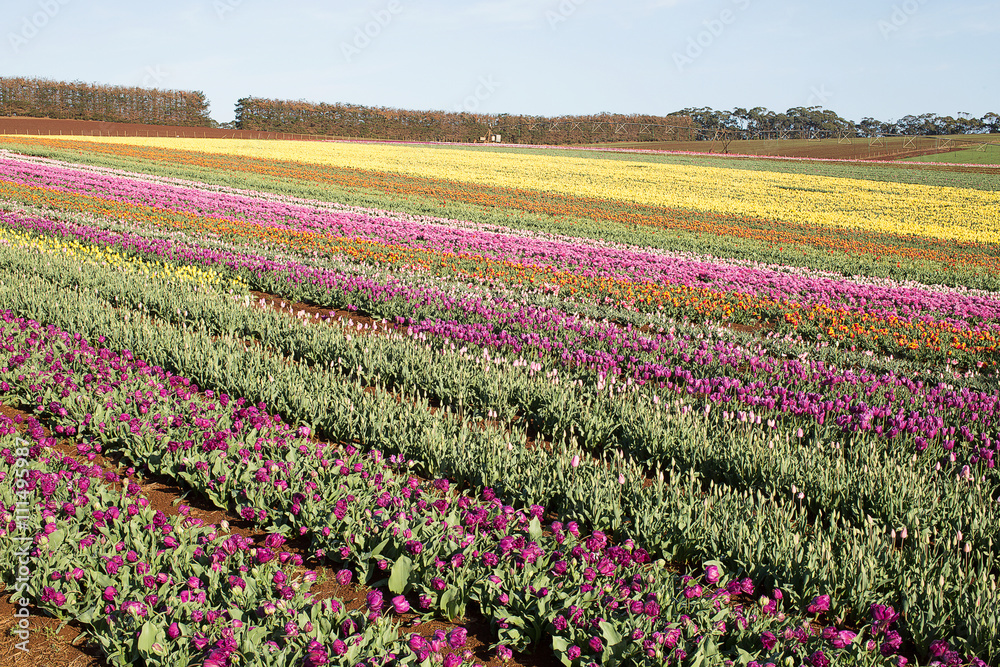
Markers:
92,128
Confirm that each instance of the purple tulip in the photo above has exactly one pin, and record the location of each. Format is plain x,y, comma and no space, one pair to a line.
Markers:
417,643
316,655
819,604
49,594
216,659
692,592
274,541
457,638
938,648
818,659
400,605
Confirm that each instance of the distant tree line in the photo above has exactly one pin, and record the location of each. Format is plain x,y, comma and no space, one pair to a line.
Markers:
595,128
353,120
817,122
76,100
35,97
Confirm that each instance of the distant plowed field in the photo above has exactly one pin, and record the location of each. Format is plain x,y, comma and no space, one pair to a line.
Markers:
885,148
94,128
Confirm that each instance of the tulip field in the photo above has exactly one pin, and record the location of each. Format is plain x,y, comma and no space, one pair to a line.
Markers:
592,408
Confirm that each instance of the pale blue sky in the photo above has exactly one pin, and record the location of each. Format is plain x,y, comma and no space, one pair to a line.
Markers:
881,58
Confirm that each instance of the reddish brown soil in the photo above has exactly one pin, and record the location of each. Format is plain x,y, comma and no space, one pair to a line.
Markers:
94,128
889,148
331,315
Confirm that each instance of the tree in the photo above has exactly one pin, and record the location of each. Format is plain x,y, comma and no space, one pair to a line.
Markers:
991,122
869,127
84,101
